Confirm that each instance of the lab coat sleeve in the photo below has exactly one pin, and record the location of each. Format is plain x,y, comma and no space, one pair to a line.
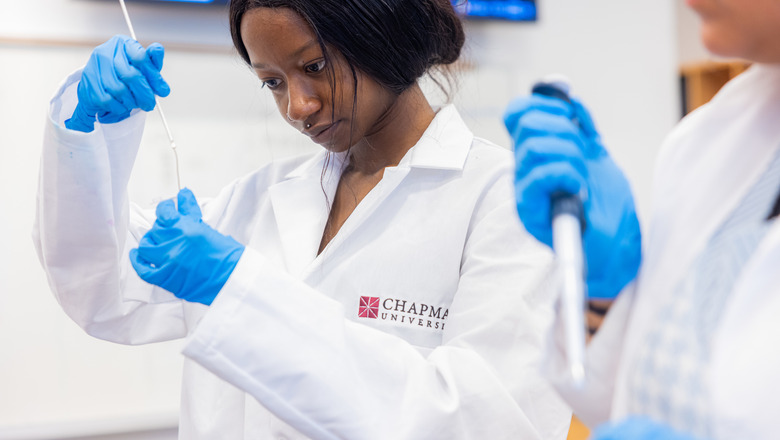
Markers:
293,349
85,226
592,401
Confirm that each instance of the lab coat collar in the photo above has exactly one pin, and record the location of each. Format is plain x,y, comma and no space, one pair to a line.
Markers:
443,145
301,201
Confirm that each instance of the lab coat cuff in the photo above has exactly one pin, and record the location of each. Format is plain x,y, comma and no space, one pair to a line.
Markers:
263,295
227,302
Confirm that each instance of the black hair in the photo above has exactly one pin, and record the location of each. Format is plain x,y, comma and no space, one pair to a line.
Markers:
395,42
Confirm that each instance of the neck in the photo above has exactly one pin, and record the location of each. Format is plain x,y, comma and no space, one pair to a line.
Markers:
398,130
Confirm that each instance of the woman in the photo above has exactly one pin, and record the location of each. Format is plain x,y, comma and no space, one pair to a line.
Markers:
382,288
688,350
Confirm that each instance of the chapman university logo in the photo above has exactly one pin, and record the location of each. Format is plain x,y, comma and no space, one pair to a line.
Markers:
402,311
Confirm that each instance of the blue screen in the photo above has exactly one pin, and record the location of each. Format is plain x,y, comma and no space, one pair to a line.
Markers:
519,10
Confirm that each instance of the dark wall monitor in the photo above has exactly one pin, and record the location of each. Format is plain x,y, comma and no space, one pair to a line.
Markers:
515,10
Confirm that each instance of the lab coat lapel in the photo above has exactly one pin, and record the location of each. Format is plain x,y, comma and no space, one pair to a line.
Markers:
390,180
301,209
443,146
716,166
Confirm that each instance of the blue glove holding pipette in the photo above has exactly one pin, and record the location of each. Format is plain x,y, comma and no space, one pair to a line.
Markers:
558,149
119,77
184,255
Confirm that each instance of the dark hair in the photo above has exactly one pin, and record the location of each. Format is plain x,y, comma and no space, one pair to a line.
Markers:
395,42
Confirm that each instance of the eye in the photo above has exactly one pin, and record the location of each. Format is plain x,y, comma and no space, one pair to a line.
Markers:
315,67
271,83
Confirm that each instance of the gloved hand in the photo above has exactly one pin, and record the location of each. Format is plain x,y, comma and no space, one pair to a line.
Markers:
183,255
638,428
120,76
557,148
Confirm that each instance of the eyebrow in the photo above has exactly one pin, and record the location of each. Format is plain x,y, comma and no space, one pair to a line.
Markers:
299,51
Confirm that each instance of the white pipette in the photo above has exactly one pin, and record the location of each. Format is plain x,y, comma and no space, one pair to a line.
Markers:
568,223
157,104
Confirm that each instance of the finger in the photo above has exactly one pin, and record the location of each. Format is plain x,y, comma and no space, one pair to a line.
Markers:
151,251
100,91
166,213
110,96
129,73
155,52
538,123
533,194
110,63
539,151
152,274
533,212
149,63
188,205
556,177
80,120
520,106
142,267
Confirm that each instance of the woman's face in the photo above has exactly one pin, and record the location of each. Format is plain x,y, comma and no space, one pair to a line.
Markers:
287,58
748,29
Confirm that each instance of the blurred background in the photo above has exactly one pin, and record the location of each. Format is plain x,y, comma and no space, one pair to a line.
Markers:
638,65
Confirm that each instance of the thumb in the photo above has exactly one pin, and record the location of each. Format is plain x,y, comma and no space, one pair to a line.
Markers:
188,205
588,127
156,52
81,120
584,119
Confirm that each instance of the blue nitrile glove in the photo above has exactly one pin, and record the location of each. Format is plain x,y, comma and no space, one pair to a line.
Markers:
119,77
555,153
183,255
638,428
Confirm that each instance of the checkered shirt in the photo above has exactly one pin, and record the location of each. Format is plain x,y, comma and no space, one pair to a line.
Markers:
668,380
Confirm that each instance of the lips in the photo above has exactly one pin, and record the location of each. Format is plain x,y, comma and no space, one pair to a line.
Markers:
322,134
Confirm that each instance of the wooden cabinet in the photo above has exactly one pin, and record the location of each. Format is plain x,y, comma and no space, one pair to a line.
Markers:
577,430
701,81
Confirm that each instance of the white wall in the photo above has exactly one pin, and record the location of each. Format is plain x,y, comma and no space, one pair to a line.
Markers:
54,380
691,49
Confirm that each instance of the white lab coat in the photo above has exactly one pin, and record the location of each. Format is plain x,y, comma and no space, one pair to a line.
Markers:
422,319
706,166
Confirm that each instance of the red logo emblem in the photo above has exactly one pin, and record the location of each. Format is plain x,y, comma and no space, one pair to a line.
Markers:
369,307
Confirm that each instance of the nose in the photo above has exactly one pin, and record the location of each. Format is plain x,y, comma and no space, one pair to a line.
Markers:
302,101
